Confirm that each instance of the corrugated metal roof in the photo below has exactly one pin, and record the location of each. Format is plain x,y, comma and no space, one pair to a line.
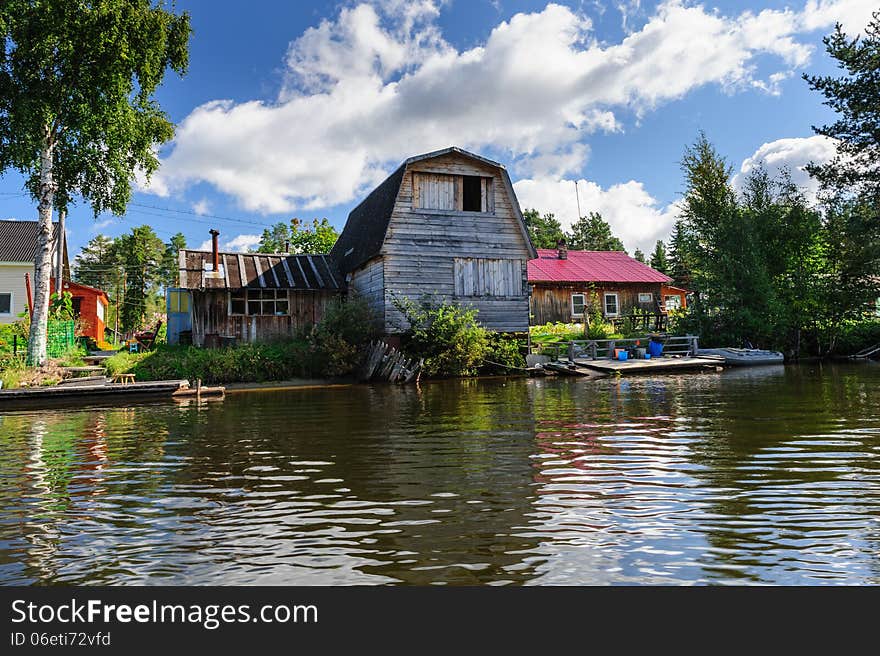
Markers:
260,270
591,266
18,240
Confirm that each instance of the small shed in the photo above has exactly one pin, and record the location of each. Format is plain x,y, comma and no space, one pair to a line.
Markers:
90,306
249,297
565,282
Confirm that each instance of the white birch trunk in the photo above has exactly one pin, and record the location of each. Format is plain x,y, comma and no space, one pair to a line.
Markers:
37,340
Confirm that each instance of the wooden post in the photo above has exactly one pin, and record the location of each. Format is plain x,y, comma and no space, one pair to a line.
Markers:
198,388
594,350
571,351
30,298
611,346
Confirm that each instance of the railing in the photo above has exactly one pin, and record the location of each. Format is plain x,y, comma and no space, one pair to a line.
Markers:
596,349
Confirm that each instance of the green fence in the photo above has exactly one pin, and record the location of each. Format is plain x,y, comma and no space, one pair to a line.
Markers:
61,338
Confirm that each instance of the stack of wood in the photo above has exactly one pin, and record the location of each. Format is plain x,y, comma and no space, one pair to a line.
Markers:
386,364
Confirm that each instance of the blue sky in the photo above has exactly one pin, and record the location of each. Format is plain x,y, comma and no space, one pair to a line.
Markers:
299,108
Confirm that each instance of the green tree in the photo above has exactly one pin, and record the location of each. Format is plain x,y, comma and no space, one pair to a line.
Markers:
658,261
593,233
170,274
96,264
296,238
680,255
854,96
139,254
77,115
640,256
545,231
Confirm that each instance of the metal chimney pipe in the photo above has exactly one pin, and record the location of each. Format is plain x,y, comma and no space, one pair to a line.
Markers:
216,248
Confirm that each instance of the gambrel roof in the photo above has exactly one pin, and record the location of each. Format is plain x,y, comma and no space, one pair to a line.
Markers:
364,232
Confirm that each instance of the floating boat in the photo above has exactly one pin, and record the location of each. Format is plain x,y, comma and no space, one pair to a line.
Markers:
738,357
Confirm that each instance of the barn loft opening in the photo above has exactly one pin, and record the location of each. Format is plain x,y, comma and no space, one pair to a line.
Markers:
471,197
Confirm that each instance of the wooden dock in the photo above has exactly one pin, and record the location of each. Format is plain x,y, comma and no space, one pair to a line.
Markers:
653,366
56,395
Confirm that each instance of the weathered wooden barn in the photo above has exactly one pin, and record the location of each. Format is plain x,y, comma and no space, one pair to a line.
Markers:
446,225
248,297
564,283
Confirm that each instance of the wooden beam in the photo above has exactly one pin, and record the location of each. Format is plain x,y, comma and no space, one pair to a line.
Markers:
225,271
259,269
315,269
241,275
290,281
302,272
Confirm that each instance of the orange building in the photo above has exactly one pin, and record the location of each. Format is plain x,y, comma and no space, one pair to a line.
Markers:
89,308
674,298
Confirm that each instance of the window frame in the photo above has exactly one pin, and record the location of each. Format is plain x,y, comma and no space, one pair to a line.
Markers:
650,298
487,193
666,298
605,311
244,295
583,305
11,304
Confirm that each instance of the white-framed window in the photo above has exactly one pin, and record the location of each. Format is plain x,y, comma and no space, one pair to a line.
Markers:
672,301
645,297
578,303
259,302
5,303
611,304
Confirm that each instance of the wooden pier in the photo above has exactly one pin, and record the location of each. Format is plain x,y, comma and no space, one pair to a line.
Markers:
596,357
78,395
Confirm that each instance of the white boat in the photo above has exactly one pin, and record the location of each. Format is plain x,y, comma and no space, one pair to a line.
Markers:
737,357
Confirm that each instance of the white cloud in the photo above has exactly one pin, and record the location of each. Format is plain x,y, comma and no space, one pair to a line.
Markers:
238,244
792,154
379,83
201,207
634,215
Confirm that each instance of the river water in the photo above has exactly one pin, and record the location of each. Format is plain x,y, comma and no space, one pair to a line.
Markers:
767,475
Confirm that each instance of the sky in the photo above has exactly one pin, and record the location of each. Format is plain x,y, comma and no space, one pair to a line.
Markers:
299,109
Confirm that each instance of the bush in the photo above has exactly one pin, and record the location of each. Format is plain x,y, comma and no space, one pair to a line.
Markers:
337,344
445,335
504,350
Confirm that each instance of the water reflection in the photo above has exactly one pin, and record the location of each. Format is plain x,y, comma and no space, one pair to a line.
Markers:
746,476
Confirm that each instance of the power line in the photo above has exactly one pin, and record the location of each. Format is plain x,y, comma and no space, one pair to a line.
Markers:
196,214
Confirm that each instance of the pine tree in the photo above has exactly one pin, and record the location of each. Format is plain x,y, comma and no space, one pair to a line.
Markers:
96,264
658,258
640,256
593,233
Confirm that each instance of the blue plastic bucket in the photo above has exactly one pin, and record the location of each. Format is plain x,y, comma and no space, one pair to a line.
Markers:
622,355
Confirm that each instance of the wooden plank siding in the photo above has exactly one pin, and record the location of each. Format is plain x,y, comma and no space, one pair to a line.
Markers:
421,246
368,282
210,314
551,302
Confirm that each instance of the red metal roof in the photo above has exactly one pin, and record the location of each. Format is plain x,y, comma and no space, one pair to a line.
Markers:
591,266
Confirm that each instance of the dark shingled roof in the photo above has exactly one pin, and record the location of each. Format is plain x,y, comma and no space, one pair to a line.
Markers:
18,240
364,231
260,270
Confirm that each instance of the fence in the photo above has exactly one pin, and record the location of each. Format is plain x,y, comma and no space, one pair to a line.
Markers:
594,349
60,338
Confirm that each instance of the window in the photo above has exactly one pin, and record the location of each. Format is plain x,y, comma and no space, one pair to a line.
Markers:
77,306
258,302
487,277
611,305
472,196
178,302
6,303
672,302
463,193
578,303
645,298
100,310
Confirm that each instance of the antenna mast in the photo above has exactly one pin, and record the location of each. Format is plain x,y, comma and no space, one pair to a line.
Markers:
578,198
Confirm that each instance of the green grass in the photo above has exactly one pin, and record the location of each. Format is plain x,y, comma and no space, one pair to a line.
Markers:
248,363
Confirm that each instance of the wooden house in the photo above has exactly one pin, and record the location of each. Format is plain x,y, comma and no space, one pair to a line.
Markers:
248,297
564,283
444,225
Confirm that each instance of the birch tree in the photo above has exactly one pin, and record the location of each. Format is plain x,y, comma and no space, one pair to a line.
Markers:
77,114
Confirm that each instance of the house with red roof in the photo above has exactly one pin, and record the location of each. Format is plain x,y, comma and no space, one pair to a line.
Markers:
565,283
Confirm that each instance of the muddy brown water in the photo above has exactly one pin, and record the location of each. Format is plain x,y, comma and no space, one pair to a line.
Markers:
764,475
